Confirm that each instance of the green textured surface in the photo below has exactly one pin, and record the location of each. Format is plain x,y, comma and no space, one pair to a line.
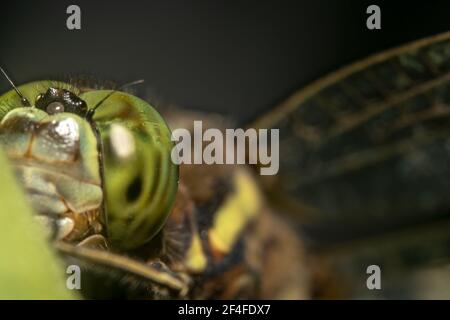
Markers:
28,267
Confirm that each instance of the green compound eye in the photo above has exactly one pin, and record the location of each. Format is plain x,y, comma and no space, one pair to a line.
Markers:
140,179
130,160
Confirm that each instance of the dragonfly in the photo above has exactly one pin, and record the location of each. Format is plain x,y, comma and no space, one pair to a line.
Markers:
363,181
96,168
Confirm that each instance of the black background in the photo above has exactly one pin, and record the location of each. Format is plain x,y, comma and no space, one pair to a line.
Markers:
236,58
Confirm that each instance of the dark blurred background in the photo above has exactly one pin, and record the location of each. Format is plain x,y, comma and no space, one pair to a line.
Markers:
236,58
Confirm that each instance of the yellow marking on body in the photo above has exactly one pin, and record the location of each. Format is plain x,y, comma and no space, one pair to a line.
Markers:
195,259
234,215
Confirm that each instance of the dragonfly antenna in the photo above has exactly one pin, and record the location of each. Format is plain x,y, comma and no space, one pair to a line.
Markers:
24,100
91,111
